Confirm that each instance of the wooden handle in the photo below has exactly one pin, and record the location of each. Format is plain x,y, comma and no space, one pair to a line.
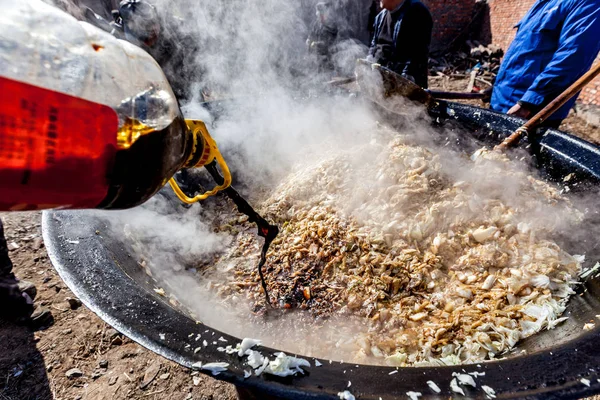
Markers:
550,108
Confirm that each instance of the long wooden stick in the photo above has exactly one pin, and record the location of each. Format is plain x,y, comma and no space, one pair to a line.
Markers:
550,108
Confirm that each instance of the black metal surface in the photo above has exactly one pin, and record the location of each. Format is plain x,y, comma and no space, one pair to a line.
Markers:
108,280
557,153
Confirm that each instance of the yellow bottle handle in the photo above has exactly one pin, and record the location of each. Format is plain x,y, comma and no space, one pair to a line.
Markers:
210,152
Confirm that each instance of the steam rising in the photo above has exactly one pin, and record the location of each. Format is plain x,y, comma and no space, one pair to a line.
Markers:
282,118
255,47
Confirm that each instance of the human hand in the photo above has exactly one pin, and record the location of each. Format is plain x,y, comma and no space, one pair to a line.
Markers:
409,77
519,111
488,94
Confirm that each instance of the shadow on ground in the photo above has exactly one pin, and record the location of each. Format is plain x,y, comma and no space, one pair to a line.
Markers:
22,369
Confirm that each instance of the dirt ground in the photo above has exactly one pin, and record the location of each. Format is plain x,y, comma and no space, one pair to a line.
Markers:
34,366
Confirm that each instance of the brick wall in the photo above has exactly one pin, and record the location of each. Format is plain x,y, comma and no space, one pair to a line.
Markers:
451,19
504,14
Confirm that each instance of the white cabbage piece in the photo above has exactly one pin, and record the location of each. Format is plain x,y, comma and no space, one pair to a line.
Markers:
197,366
455,388
284,365
465,379
216,367
247,344
553,324
586,382
414,395
396,360
255,359
590,271
434,387
346,395
483,234
491,393
262,368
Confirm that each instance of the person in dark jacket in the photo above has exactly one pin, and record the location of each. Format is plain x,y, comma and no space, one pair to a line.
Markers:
374,10
556,43
173,49
140,22
327,31
401,39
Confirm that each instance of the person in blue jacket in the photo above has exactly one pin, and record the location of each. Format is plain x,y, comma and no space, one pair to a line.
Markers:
556,43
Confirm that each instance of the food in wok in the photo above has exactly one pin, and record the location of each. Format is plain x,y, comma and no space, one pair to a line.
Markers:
441,259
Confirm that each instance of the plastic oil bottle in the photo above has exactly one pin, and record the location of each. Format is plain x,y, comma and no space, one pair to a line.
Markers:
86,120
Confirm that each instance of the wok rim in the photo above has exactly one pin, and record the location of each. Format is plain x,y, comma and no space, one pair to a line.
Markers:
543,374
579,358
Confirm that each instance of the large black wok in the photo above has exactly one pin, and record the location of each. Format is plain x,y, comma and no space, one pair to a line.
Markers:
102,272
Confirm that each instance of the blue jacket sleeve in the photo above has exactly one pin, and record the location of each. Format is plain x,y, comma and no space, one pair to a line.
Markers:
579,44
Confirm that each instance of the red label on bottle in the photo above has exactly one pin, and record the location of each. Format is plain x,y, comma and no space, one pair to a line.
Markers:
55,150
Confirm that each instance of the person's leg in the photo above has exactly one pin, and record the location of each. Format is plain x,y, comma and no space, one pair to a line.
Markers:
16,297
6,266
5,263
552,124
14,304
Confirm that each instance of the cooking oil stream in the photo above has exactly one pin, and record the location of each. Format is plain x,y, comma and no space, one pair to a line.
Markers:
265,230
132,130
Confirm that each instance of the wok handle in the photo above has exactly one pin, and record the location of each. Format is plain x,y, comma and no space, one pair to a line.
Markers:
341,81
210,154
457,95
550,108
